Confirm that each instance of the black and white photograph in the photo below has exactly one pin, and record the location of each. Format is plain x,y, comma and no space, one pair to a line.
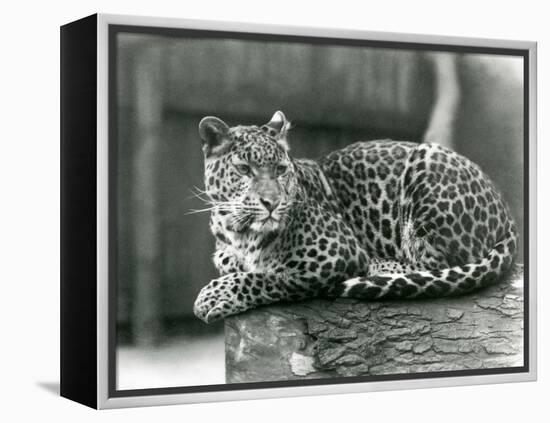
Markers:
295,210
275,211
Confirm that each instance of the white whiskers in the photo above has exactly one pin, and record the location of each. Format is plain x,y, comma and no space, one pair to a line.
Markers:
240,215
196,192
229,206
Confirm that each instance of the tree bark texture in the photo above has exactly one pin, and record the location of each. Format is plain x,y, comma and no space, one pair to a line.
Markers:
344,337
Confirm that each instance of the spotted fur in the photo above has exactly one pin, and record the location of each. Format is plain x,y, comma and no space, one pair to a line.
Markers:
375,220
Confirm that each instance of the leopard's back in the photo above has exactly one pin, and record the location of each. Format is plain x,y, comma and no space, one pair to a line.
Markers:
367,179
420,203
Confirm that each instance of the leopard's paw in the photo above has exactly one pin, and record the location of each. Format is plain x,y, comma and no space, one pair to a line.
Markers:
214,302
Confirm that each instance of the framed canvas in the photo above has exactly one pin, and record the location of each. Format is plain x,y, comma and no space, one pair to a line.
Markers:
254,211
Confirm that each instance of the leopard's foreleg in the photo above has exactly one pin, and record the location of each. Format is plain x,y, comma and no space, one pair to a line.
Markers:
241,291
226,262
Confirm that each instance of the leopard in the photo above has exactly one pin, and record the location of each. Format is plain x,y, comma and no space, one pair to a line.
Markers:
375,220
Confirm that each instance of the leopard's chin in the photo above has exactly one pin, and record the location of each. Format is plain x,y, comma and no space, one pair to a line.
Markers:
269,224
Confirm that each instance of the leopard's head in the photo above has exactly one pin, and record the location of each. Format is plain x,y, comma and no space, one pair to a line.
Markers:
249,175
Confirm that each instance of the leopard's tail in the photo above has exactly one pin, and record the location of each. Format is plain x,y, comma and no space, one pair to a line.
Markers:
436,283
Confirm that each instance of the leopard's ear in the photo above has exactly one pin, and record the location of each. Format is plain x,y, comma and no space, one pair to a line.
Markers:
214,133
278,128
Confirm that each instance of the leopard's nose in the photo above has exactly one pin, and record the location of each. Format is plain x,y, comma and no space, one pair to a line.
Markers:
270,204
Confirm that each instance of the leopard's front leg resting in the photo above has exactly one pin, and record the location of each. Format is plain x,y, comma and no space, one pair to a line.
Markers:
237,292
226,263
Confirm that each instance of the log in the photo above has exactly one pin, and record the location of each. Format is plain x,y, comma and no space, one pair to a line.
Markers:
345,337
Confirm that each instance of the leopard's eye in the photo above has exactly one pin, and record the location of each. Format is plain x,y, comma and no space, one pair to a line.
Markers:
281,170
243,169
